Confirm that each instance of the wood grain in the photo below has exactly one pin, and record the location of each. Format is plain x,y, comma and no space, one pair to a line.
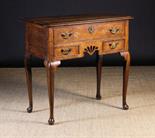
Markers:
61,38
54,21
66,52
113,46
81,32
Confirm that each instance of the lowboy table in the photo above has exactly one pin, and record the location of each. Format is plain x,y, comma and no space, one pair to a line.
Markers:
60,38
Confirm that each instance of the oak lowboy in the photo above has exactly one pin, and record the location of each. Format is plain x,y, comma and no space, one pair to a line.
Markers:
60,38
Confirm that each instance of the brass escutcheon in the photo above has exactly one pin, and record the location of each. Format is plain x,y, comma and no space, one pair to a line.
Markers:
113,45
91,29
66,35
114,30
66,51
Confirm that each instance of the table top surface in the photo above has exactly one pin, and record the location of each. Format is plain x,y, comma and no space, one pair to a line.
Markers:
52,21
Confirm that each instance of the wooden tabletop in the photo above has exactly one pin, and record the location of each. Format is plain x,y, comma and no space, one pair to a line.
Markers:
74,19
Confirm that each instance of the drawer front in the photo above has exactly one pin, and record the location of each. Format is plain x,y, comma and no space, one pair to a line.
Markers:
113,46
66,52
89,31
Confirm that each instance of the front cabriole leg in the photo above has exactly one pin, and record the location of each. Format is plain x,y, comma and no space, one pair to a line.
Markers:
126,56
51,68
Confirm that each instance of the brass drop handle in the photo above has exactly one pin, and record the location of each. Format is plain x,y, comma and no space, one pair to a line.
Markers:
66,35
91,29
114,30
66,51
113,45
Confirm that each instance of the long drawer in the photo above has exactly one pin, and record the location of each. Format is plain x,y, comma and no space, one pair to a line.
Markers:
76,33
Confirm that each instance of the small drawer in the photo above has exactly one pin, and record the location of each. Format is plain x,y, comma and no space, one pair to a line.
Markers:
114,29
113,46
66,52
92,31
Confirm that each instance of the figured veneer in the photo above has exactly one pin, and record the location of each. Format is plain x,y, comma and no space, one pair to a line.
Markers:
93,31
60,38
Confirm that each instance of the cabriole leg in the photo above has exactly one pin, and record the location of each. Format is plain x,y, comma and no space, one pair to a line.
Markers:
126,56
29,81
98,74
51,67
